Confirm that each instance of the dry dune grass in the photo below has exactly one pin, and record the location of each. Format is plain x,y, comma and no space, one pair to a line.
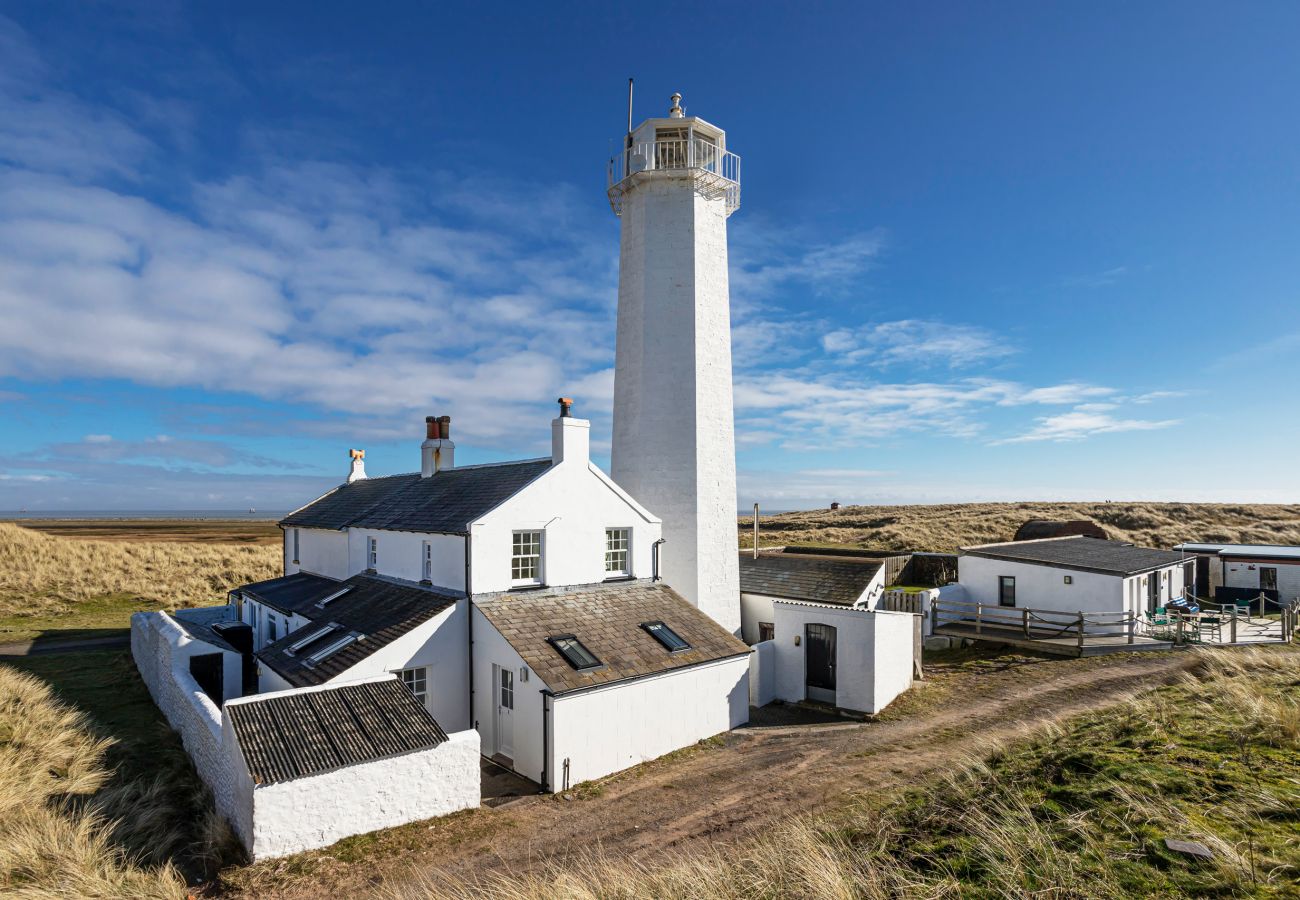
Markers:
1079,809
41,574
947,527
57,823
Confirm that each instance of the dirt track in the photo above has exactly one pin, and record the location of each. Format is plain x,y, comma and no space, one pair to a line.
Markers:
754,779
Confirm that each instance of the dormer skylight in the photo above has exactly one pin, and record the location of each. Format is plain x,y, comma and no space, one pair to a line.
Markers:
332,597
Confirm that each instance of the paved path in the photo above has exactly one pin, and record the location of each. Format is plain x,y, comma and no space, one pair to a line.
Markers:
40,646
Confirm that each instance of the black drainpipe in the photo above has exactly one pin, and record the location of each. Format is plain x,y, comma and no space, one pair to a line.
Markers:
469,625
655,548
546,740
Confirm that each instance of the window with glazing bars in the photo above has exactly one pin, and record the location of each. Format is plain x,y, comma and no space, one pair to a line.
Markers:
416,681
373,555
574,653
616,547
526,558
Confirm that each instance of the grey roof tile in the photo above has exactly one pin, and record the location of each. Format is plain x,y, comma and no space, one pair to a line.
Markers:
607,619
822,580
445,502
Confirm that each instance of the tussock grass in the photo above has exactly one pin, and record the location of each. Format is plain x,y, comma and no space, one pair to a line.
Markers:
949,526
1077,809
41,575
57,827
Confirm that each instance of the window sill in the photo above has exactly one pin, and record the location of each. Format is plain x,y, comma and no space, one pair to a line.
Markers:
521,588
296,563
371,572
619,578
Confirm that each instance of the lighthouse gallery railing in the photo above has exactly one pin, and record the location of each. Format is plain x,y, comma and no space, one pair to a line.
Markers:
716,172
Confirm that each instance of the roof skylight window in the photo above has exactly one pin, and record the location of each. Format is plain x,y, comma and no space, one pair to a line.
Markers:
332,597
672,641
574,653
311,638
331,648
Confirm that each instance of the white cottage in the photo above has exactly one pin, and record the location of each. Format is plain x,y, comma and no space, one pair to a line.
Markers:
1242,572
1072,574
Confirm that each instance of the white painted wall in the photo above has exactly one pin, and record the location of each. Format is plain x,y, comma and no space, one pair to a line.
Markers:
440,645
754,608
1245,574
762,674
491,649
608,729
572,504
400,555
873,653
321,552
1044,587
674,429
306,813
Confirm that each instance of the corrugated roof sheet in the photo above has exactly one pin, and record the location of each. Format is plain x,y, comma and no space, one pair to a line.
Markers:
445,502
1081,553
379,609
822,579
1261,551
197,622
607,619
309,732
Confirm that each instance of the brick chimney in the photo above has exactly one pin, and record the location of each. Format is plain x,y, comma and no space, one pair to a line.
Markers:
437,452
358,471
570,437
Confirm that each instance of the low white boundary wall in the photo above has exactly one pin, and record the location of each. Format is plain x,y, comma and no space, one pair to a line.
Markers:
306,813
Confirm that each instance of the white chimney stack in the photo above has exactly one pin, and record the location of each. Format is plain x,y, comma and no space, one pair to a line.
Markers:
437,452
358,471
570,437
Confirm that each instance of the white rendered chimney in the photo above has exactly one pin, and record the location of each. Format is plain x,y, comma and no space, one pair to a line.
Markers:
570,437
358,471
437,452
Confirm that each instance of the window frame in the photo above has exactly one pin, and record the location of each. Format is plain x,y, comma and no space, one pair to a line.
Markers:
539,570
296,547
372,553
657,630
626,550
768,629
1002,591
420,673
426,561
556,640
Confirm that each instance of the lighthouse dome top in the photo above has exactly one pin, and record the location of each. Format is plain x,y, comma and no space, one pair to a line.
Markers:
676,146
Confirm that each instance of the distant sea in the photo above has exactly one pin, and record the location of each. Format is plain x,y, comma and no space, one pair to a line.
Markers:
255,515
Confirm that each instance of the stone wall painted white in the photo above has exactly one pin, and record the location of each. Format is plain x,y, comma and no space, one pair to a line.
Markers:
1245,574
754,609
571,504
762,674
608,729
674,428
162,651
306,813
400,555
874,653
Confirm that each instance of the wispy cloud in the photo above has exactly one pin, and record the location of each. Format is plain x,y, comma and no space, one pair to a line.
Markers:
1084,422
1104,278
917,343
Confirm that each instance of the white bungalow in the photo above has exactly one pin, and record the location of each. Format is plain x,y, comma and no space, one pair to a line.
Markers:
1242,572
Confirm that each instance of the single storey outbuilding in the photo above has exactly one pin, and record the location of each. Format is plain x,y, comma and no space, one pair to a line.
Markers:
1230,572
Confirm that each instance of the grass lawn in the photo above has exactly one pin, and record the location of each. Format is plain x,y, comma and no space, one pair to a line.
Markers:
108,615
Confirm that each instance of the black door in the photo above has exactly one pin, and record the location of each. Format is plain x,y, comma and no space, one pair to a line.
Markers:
1202,576
820,660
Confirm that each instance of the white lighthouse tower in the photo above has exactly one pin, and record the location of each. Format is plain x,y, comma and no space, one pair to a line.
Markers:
674,186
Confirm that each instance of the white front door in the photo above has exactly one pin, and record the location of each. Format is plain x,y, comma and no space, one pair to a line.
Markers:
505,730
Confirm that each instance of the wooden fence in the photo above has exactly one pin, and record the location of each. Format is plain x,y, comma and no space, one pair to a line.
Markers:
1033,624
902,601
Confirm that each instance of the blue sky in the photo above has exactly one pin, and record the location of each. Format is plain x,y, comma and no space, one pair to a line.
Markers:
986,252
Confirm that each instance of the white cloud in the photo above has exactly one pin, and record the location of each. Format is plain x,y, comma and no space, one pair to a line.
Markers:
916,343
1084,422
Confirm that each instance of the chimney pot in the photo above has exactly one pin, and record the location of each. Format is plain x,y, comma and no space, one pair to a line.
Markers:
431,428
566,404
444,427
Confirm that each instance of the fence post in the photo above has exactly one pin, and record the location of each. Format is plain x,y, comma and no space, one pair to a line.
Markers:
934,615
1232,630
1080,631
1132,626
1024,620
978,618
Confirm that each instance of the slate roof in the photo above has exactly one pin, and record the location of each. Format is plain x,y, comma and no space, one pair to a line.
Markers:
1257,551
607,619
309,732
295,593
445,502
379,609
1083,554
821,580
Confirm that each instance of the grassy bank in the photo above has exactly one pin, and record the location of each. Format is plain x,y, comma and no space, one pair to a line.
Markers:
1080,810
86,588
949,526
